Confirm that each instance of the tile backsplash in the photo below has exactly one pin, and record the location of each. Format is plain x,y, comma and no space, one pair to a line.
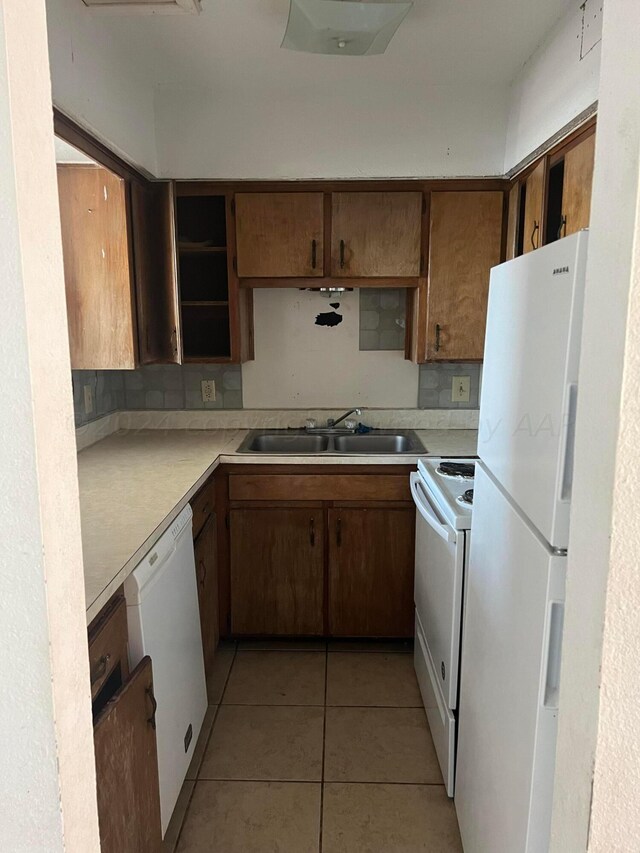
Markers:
382,318
434,386
107,392
177,387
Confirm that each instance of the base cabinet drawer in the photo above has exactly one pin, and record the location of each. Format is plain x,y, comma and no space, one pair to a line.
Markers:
441,719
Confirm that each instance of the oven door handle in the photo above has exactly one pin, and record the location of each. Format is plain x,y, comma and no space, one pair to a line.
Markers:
427,511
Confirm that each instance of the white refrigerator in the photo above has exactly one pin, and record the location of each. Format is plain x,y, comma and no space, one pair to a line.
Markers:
514,593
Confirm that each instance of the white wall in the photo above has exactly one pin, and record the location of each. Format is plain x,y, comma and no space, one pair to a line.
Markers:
47,783
556,84
599,722
301,365
98,83
351,129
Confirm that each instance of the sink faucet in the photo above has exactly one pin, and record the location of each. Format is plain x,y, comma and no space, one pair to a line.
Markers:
331,423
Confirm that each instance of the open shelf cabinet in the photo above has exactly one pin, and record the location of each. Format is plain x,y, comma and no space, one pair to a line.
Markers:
215,321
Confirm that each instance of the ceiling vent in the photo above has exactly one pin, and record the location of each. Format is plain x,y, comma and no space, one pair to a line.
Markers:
146,7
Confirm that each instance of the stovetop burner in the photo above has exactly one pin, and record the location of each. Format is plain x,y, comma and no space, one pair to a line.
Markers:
457,470
466,498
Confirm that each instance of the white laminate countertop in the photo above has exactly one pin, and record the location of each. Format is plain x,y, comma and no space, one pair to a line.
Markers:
134,483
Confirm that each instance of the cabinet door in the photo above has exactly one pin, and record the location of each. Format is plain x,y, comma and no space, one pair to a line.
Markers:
207,577
576,188
512,221
277,571
279,235
533,208
371,560
127,768
152,210
465,242
376,234
97,268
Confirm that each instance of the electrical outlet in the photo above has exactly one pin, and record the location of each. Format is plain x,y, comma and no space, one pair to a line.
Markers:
88,399
460,389
208,390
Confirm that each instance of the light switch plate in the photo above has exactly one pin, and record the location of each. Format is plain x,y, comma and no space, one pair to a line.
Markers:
208,390
460,389
88,399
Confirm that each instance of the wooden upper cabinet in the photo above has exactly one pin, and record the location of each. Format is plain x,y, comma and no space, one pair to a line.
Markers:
371,561
576,189
280,235
127,768
376,234
465,242
158,303
512,222
277,571
532,237
97,267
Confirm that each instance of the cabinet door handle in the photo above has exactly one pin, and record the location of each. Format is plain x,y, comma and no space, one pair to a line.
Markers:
100,669
154,707
563,227
312,531
203,570
535,244
437,344
339,532
341,254
314,247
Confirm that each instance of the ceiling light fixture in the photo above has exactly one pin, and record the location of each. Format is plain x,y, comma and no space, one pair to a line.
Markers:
348,27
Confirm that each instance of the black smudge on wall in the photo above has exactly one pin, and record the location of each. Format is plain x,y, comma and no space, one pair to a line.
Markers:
328,318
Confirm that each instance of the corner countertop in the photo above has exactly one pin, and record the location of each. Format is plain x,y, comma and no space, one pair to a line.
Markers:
134,483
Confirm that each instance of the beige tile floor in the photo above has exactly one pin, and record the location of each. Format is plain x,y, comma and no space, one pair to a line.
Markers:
309,748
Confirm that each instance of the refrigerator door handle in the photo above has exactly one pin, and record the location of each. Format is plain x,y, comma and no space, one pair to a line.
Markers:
555,626
569,441
427,511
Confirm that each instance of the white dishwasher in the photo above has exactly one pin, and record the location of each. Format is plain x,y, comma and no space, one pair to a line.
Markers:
164,623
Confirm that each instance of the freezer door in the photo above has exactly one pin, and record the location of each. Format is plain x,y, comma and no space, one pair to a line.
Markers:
507,718
529,380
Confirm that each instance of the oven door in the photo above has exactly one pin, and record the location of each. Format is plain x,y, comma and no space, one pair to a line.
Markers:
439,570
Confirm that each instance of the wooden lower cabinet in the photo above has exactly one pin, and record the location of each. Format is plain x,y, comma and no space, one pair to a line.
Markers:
127,767
205,549
371,562
277,571
335,560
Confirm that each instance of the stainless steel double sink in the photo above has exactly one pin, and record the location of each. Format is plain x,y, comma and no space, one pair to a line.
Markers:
300,443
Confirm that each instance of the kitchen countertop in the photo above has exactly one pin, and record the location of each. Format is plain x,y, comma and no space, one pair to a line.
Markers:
134,483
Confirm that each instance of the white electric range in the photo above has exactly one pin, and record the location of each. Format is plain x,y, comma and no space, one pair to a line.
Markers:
442,491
